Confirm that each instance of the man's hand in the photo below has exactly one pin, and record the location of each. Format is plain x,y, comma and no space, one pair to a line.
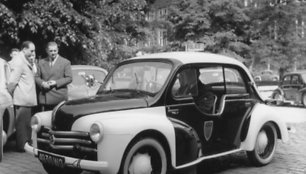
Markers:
45,85
52,83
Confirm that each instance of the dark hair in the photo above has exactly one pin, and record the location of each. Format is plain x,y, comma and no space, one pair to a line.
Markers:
26,44
14,49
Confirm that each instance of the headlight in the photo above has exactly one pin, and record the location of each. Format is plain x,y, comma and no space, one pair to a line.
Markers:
35,123
96,132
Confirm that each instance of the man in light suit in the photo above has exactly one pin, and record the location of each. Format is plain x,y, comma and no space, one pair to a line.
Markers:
21,85
52,77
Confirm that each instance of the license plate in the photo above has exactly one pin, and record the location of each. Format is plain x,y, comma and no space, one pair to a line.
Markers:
52,160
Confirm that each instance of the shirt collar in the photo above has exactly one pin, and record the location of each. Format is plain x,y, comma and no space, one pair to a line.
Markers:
53,60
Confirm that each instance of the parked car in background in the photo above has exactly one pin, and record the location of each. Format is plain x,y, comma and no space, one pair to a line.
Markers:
267,75
86,80
151,115
292,88
266,88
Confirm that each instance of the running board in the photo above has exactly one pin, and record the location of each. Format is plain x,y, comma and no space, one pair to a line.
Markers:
207,157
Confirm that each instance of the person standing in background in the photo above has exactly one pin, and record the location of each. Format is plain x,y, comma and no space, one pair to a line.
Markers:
21,85
52,77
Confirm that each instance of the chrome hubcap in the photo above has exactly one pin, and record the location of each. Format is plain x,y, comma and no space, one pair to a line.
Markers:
262,142
141,164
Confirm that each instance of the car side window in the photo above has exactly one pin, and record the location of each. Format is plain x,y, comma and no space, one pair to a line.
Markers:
185,84
286,80
295,80
234,82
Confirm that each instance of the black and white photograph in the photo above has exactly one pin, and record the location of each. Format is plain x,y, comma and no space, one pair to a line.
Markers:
152,86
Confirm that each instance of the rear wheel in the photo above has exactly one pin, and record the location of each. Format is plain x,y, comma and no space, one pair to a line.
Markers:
146,156
54,170
265,146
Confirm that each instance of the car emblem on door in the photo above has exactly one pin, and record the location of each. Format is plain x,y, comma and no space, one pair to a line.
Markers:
208,128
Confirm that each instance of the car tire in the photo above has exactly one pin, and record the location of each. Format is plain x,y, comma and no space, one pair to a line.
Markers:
265,146
145,156
303,99
55,170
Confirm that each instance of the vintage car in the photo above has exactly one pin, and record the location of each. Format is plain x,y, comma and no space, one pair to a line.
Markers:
292,88
157,114
267,75
86,82
267,88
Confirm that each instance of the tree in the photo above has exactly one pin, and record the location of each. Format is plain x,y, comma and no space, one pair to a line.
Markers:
88,31
221,25
277,33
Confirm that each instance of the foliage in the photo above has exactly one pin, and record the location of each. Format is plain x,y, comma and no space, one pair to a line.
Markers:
276,34
221,25
88,31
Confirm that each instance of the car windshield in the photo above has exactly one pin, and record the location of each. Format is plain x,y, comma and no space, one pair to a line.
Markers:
148,77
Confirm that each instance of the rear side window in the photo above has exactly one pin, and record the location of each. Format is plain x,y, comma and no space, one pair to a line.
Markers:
234,82
295,80
286,80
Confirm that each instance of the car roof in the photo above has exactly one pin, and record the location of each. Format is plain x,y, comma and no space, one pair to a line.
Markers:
91,67
192,57
296,72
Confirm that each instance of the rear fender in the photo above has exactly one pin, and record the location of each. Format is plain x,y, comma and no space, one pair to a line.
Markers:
261,115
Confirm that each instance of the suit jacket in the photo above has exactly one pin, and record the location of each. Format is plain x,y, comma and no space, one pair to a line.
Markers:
5,97
21,82
61,73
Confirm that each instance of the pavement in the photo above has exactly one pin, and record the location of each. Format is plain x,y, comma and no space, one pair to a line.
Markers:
289,158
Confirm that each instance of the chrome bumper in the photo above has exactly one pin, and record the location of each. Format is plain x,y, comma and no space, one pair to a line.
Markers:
72,162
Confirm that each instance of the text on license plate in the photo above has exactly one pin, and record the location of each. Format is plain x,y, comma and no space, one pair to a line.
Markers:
51,159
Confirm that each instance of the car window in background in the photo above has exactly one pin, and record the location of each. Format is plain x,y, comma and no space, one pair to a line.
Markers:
79,76
286,80
295,79
211,75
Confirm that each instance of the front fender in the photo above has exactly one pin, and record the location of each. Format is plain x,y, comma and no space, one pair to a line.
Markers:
44,118
121,127
262,114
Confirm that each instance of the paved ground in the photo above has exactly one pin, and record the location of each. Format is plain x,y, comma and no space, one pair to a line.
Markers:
290,158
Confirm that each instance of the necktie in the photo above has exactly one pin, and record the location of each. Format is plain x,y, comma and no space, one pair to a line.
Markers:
6,72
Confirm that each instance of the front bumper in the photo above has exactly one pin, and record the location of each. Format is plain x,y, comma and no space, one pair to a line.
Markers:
72,162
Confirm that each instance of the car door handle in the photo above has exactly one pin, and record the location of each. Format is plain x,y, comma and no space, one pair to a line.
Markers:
173,111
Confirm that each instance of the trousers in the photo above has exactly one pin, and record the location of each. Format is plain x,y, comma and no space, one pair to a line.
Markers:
22,125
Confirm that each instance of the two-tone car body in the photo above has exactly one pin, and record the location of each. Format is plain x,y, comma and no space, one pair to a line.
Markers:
157,114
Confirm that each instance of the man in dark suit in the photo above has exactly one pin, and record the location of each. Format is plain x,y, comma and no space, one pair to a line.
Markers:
52,77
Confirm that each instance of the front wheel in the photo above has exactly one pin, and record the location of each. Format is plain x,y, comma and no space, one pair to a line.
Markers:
146,156
265,146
